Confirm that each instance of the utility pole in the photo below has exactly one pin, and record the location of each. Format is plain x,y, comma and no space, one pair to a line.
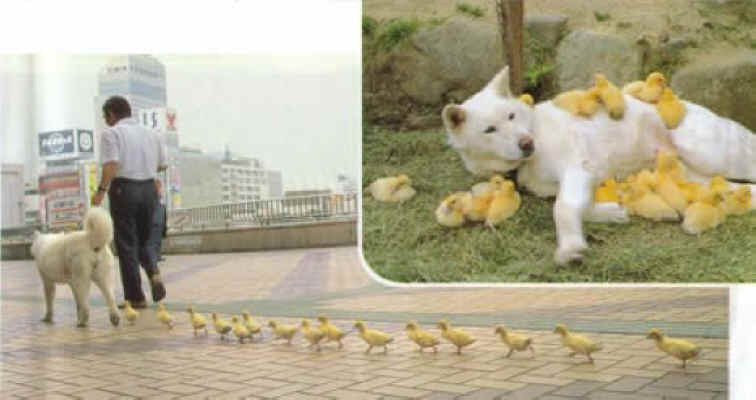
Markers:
511,14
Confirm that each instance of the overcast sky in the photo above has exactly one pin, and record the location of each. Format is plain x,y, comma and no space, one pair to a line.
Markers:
287,93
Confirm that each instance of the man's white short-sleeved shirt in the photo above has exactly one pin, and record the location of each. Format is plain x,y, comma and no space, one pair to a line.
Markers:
137,150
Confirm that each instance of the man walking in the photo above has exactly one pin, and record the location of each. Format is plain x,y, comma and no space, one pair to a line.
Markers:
131,157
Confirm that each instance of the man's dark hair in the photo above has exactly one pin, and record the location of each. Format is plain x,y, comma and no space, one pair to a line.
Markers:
118,106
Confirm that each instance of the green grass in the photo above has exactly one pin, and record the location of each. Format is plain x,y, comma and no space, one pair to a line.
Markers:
404,243
601,17
471,10
395,32
369,25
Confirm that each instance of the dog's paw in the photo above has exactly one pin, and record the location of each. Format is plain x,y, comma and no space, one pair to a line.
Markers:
83,318
115,319
570,253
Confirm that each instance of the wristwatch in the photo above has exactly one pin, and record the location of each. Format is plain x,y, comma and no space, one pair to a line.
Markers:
102,189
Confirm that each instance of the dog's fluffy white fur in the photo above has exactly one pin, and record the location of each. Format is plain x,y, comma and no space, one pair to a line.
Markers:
570,155
78,259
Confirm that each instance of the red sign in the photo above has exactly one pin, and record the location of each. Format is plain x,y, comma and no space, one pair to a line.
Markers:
171,117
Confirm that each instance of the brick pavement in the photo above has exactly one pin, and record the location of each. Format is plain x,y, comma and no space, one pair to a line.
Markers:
148,361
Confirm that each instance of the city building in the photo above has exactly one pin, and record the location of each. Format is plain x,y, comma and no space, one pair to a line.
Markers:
67,176
243,178
201,178
12,195
346,184
32,204
275,184
141,78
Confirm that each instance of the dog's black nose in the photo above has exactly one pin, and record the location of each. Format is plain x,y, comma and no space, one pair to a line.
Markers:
526,145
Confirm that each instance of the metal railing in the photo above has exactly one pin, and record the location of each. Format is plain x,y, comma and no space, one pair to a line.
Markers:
274,212
20,234
285,211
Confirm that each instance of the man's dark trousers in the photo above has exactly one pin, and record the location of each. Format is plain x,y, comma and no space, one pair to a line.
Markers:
132,205
157,232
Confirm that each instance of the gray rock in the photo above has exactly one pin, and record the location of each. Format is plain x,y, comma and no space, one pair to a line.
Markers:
547,29
458,56
583,53
423,121
725,83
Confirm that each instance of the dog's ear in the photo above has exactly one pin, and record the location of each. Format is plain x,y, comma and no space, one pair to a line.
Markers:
453,116
500,83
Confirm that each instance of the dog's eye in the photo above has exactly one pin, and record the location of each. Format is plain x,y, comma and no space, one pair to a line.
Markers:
490,129
511,116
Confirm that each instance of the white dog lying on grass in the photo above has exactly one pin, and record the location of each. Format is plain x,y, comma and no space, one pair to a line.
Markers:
558,154
78,259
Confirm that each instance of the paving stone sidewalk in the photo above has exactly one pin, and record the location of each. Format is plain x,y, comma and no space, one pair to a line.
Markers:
148,361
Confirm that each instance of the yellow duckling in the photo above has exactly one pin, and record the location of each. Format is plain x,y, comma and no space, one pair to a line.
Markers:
333,333
130,313
198,321
282,331
476,206
607,192
392,189
647,204
670,109
221,326
611,96
514,341
313,335
505,203
164,316
451,212
579,102
251,324
373,337
420,337
668,164
672,193
649,91
677,348
692,190
577,343
527,99
493,183
457,337
704,214
240,330
738,201
719,184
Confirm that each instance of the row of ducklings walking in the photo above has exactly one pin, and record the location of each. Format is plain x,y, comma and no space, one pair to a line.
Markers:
653,90
665,195
327,332
576,343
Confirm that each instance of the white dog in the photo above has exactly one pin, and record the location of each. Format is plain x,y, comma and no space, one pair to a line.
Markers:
558,154
78,259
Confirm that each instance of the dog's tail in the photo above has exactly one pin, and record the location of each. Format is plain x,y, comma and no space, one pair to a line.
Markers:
99,228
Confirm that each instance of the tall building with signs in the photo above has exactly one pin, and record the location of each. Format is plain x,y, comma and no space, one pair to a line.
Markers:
141,78
66,180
